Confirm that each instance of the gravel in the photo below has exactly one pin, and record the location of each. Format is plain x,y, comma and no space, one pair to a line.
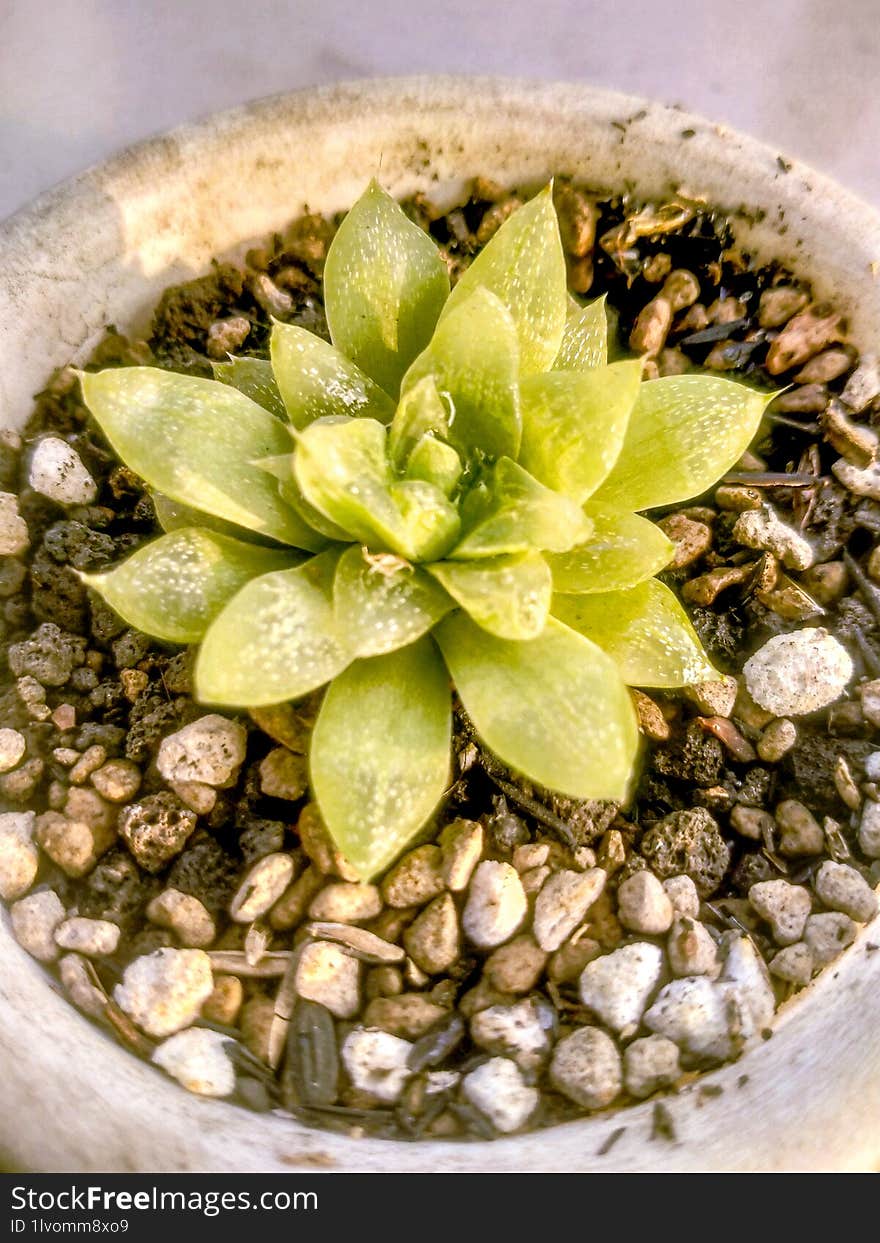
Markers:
197,1058
12,748
329,976
644,905
842,888
649,1064
499,1091
209,751
261,887
13,528
694,1014
618,986
562,902
784,906
586,1067
496,905
377,1063
34,920
795,674
95,938
19,857
57,472
827,935
522,1031
163,992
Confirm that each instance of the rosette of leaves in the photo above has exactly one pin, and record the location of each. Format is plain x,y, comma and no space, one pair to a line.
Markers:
444,498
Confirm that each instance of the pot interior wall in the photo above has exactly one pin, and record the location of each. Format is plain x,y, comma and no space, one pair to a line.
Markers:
99,251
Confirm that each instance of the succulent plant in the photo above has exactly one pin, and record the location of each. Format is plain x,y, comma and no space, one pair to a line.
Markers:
445,497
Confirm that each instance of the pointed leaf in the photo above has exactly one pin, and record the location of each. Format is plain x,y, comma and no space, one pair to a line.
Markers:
383,603
420,411
646,632
173,516
277,639
196,441
281,469
317,381
516,513
384,286
524,266
509,596
554,709
254,378
585,338
435,462
343,471
574,423
176,585
380,753
684,433
623,550
473,360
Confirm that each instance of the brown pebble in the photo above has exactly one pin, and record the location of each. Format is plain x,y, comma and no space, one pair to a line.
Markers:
291,907
257,1016
853,441
433,940
517,966
408,1016
383,981
825,367
225,1001
726,732
651,327
567,964
691,539
64,717
778,305
652,722
681,289
225,336
706,588
577,214
801,833
802,337
415,879
319,845
805,399
827,583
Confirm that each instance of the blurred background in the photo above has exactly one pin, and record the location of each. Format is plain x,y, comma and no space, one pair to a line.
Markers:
81,78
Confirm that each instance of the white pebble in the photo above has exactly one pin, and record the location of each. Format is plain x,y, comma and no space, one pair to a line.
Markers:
376,1062
13,528
745,970
649,1064
77,976
92,937
691,949
869,829
57,471
198,1060
869,693
860,481
777,740
19,857
496,905
164,991
784,906
12,749
499,1091
617,986
185,915
520,1031
797,673
827,935
330,977
563,901
693,1013
682,893
34,920
793,964
643,905
209,751
586,1067
262,887
844,889
762,529
872,766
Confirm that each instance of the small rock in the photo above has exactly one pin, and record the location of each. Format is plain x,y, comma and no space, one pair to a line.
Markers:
562,903
499,1091
714,698
320,847
532,855
197,797
284,775
262,887
617,986
343,902
869,830
433,941
73,844
784,906
777,740
330,977
801,832
517,966
763,529
649,1064
779,304
77,976
827,582
118,780
19,857
688,843
691,949
13,528
682,893
746,971
586,1067
794,674
533,881
12,749
409,1016
521,1031
496,905
863,385
187,917
34,920
652,722
691,539
794,964
570,959
869,693
198,1060
643,904
164,991
256,1020
92,758
860,480
225,1002
752,822
462,846
95,938
827,935
844,889
226,336
156,829
291,907
48,656
693,1013
416,879
210,750
376,1062
56,471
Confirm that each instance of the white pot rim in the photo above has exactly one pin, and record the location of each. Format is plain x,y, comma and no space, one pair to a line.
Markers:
99,249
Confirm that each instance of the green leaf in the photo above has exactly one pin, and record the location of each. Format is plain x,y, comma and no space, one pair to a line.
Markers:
380,753
473,360
173,516
383,603
196,441
585,338
435,462
644,630
574,423
176,585
509,596
684,433
317,381
277,639
514,513
554,709
281,469
524,266
384,286
623,550
420,411
254,378
342,470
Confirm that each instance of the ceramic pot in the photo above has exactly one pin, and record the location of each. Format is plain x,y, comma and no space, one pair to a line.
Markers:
100,249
